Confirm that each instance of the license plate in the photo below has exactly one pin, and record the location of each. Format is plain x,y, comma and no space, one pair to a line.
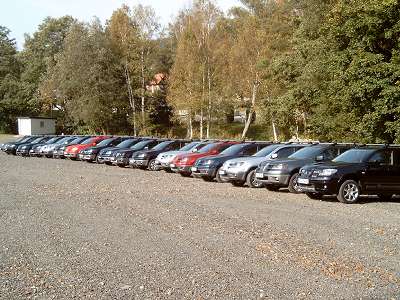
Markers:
259,175
303,180
172,166
194,169
222,172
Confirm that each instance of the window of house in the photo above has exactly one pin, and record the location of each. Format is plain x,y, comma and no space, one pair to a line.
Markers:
41,124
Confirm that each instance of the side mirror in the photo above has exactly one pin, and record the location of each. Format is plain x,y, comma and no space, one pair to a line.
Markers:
319,158
274,155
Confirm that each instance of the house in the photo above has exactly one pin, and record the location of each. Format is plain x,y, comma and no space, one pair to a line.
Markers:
36,125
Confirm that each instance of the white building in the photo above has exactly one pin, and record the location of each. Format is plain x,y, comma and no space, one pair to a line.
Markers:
37,125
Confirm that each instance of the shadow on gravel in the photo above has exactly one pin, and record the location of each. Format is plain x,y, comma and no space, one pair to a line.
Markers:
363,200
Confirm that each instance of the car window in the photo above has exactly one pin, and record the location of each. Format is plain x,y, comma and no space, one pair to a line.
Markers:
285,152
330,153
382,157
250,150
223,147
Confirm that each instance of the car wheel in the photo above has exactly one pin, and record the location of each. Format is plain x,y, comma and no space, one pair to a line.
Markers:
208,178
272,188
315,196
385,197
349,192
218,177
152,165
293,186
237,183
252,181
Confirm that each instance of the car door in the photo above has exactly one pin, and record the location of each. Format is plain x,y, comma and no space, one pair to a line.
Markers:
375,177
392,182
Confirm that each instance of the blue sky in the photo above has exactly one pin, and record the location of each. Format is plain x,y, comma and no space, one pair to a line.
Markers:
23,16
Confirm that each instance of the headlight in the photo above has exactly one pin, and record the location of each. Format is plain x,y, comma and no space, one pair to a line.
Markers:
184,160
209,162
74,149
142,155
108,152
237,164
89,151
279,167
327,172
23,147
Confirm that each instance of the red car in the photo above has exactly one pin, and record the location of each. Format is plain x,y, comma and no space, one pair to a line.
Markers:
72,151
183,163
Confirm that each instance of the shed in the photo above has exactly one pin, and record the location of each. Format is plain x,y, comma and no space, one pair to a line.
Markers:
36,125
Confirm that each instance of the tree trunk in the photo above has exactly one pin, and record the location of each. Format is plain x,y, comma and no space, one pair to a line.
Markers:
190,126
252,108
209,102
131,97
275,132
143,88
201,123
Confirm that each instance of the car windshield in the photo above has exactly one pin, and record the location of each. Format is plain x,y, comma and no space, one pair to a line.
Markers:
266,151
37,140
355,156
307,152
64,140
105,142
140,145
25,140
161,146
126,143
233,150
89,141
52,140
189,146
207,148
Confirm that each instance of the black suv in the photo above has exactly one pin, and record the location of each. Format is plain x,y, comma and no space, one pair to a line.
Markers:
23,149
208,167
121,157
146,159
90,154
368,171
105,155
283,173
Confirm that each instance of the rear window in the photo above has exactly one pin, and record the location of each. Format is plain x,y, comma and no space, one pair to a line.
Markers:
355,156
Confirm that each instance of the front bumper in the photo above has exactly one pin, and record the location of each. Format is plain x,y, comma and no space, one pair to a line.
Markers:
70,155
139,163
121,161
87,157
181,169
34,153
24,152
232,175
199,172
273,178
325,186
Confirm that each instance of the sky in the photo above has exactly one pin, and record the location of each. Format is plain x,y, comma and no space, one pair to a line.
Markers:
24,16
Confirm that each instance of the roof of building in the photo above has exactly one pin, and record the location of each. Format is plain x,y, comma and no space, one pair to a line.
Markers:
37,118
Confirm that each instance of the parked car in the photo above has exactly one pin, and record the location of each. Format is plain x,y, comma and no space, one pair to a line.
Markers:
106,155
48,149
59,150
208,167
90,154
121,157
72,152
36,149
11,148
284,172
146,159
164,159
23,149
241,171
183,163
4,145
359,171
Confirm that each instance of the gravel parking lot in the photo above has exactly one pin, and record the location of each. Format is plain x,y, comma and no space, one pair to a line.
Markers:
77,230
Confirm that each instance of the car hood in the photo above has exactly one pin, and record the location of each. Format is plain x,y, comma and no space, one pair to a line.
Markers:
249,160
331,165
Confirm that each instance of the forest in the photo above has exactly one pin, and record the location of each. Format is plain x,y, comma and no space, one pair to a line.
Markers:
326,70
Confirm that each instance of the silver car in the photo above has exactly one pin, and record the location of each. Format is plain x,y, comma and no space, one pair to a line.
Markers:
164,159
241,171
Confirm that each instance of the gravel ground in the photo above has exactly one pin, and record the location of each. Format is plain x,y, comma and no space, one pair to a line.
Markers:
78,230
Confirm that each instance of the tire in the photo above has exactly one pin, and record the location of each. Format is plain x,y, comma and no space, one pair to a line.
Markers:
237,183
252,182
293,188
207,178
385,197
349,192
152,165
272,188
218,177
315,196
